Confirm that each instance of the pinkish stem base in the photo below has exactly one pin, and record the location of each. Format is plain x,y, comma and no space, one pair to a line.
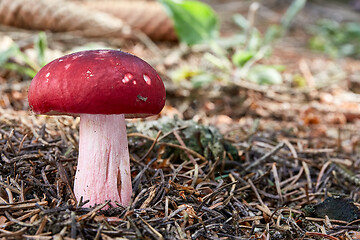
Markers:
103,170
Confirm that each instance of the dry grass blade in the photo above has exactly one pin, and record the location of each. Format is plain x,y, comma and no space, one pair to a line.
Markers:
321,174
20,205
155,233
9,234
170,145
266,156
21,218
150,198
152,146
323,235
277,183
253,187
19,222
183,145
42,225
92,212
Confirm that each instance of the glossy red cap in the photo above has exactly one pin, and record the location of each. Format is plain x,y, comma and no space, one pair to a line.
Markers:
97,82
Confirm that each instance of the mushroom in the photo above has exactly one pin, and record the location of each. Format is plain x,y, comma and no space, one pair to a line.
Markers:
103,87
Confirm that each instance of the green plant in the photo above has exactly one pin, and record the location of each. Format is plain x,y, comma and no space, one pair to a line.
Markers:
236,57
14,59
264,74
198,78
257,45
195,22
40,47
336,39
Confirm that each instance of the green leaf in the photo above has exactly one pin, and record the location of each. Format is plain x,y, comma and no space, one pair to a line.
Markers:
20,69
12,51
195,22
241,57
184,73
255,40
40,47
202,80
241,21
272,33
262,74
299,81
295,7
219,62
278,67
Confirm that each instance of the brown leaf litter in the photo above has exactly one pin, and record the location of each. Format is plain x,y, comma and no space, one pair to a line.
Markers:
260,194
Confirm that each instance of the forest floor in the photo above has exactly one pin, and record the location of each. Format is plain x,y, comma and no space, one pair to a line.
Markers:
230,159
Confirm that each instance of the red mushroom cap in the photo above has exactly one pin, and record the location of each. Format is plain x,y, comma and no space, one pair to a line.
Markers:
97,82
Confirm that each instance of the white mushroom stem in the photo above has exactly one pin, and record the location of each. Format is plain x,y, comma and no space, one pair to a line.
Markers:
103,170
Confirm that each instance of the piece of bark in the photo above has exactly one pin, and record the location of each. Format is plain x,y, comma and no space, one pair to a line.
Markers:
61,16
148,17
